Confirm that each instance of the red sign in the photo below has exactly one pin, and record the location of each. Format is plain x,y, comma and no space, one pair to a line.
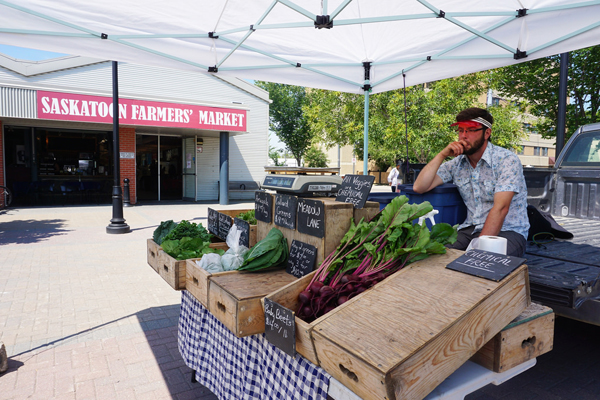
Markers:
84,108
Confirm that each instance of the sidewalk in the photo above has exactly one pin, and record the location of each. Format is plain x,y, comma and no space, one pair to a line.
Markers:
82,314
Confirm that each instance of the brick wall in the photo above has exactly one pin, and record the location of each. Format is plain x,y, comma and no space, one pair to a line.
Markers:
127,165
1,155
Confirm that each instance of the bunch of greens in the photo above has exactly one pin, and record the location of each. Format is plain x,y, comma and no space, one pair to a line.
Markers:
189,230
187,247
271,252
163,230
371,251
248,216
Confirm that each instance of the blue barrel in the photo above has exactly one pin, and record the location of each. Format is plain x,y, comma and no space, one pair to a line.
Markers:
383,198
444,198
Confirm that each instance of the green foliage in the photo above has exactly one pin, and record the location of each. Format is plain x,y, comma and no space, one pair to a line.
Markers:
315,158
430,111
187,248
271,252
190,230
286,116
248,216
274,156
537,83
163,230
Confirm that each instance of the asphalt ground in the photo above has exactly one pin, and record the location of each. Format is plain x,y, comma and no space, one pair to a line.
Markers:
83,316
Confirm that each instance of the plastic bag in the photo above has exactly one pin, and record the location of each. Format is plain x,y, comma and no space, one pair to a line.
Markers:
234,257
211,262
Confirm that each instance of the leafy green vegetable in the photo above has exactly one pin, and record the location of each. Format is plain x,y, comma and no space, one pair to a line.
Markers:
271,252
163,230
248,216
190,230
188,247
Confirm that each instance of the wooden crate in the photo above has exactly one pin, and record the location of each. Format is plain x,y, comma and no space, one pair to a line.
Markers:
152,250
528,336
337,220
370,210
196,280
173,271
235,299
403,337
253,229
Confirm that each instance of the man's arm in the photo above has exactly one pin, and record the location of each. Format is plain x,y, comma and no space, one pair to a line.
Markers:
495,219
428,178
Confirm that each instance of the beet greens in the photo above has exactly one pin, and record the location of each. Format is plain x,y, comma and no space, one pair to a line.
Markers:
370,252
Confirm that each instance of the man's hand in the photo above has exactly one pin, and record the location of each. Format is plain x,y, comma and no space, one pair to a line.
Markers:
454,149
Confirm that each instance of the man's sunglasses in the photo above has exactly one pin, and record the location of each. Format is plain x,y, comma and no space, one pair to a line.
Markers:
460,130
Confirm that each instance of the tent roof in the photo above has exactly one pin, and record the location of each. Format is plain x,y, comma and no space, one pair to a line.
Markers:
314,43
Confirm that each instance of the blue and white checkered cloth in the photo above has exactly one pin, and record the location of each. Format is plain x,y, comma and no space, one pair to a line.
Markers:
243,368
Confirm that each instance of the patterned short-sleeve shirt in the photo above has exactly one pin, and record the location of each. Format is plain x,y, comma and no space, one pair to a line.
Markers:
499,170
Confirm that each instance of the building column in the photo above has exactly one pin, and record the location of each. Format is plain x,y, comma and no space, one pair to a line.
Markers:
224,168
127,145
2,180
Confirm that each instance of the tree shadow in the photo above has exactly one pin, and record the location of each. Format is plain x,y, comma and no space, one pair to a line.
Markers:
30,231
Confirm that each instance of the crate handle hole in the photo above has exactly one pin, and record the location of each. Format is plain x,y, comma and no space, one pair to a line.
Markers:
195,281
166,268
528,342
349,373
152,254
221,306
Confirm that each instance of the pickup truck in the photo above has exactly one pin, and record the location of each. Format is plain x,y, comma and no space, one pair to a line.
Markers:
565,274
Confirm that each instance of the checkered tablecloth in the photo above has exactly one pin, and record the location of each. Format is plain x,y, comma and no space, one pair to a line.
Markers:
243,368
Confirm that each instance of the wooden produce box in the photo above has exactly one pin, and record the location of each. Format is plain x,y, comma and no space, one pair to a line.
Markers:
234,213
337,220
196,280
173,271
235,299
528,336
403,337
370,210
152,250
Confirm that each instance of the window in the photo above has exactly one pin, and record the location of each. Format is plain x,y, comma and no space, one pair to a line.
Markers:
545,151
536,151
495,101
584,150
520,150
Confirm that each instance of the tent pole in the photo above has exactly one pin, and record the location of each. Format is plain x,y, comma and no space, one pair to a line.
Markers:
117,223
366,136
562,103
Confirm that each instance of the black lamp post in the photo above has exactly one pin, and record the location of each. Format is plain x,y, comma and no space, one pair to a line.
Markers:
117,223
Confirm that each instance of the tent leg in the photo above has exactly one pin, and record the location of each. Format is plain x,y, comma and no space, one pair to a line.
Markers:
366,136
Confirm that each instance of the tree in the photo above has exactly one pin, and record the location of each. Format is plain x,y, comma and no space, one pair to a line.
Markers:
286,117
537,82
315,157
274,156
430,111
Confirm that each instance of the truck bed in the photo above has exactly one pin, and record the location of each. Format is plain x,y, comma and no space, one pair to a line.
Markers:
565,274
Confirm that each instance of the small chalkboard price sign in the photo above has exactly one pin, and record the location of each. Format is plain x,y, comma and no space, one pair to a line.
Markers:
244,228
285,210
225,223
485,264
213,222
301,260
263,206
280,327
355,189
311,217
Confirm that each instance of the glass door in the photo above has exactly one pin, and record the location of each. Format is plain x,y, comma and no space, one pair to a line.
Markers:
189,169
147,167
171,174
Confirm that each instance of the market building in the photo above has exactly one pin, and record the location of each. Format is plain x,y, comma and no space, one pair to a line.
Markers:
56,124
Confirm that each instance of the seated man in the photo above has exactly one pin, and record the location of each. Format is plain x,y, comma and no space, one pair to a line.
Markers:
490,181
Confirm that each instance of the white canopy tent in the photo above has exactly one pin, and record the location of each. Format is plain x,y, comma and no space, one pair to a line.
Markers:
358,46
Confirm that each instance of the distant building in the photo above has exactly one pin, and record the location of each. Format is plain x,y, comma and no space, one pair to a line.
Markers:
56,131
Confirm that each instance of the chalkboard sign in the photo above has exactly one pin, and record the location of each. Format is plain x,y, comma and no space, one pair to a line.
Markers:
263,206
355,189
311,217
485,264
285,210
213,222
280,327
244,228
301,260
225,223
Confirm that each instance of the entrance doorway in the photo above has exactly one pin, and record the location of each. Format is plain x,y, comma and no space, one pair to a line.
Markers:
158,168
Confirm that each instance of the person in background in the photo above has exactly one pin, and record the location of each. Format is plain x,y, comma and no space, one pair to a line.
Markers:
490,181
393,176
